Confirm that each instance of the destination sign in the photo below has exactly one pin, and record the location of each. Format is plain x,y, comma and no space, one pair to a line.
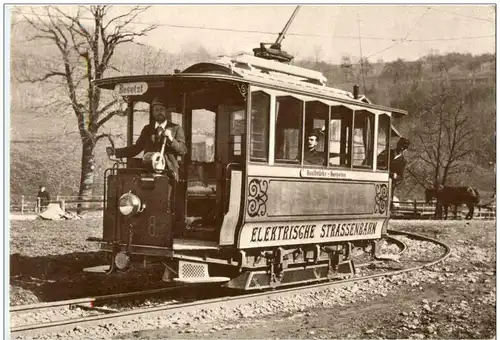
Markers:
320,173
131,89
254,235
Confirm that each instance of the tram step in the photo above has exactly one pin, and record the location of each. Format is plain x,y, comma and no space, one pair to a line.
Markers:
210,279
190,244
97,269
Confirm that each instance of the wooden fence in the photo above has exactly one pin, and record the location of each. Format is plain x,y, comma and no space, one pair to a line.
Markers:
418,210
401,210
31,205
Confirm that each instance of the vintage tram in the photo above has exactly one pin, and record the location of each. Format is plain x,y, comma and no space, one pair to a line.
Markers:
249,209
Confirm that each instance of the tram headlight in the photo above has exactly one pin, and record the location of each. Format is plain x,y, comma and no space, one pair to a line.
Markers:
129,204
122,260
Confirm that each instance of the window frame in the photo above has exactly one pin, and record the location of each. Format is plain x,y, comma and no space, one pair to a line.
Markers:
363,114
387,141
314,114
300,150
266,133
344,112
346,136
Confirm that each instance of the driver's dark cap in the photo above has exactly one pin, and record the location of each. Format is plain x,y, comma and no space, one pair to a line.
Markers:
159,101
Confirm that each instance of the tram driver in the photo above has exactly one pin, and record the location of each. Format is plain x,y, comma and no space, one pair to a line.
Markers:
311,155
151,138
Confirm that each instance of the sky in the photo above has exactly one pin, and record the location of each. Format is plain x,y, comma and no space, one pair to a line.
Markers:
327,32
324,32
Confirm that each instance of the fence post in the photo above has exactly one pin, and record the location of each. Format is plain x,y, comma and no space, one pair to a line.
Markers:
63,205
22,204
415,208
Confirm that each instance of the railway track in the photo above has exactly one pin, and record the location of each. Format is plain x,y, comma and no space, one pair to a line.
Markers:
90,312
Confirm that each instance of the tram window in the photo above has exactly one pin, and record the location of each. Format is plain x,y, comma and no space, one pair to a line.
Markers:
177,118
203,136
259,126
364,123
384,124
141,118
315,127
288,135
340,137
237,130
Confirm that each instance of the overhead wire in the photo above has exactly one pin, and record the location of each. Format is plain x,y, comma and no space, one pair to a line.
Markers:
397,41
462,15
449,39
402,40
416,23
236,30
268,32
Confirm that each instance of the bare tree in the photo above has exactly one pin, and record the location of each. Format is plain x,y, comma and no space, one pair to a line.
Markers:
443,139
85,43
396,70
473,66
366,67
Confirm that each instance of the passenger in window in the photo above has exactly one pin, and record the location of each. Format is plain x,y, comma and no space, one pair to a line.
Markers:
152,135
311,155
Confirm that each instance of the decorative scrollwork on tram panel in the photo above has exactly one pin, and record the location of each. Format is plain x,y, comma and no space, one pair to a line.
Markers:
257,197
381,198
243,88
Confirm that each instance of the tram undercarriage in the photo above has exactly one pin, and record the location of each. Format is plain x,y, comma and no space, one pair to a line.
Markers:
251,269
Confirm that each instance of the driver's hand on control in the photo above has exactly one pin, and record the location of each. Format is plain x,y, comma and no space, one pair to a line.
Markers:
168,134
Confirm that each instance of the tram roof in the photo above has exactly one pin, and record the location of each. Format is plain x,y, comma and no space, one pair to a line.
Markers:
261,72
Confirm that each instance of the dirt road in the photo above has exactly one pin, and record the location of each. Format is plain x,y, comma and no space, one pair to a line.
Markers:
453,300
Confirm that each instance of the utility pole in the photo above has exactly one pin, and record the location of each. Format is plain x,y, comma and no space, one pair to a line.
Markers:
361,56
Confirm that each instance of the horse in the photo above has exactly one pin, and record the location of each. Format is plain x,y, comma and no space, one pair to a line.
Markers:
456,196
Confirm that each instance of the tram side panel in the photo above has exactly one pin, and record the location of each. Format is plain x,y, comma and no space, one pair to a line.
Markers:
291,211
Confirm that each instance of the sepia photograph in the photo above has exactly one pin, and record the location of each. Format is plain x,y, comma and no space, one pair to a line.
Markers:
250,171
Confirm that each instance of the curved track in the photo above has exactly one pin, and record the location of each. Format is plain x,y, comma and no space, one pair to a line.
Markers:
108,315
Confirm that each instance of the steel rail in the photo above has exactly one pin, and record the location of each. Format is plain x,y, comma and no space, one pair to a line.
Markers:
102,298
91,300
402,248
227,302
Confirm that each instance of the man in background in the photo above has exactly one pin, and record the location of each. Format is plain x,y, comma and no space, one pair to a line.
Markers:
43,197
397,163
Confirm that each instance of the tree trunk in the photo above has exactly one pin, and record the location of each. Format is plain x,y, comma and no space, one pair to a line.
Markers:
87,174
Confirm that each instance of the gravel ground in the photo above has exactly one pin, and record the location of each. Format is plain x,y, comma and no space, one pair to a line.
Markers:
47,259
455,299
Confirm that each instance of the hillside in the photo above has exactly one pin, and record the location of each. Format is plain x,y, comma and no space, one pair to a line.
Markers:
45,146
